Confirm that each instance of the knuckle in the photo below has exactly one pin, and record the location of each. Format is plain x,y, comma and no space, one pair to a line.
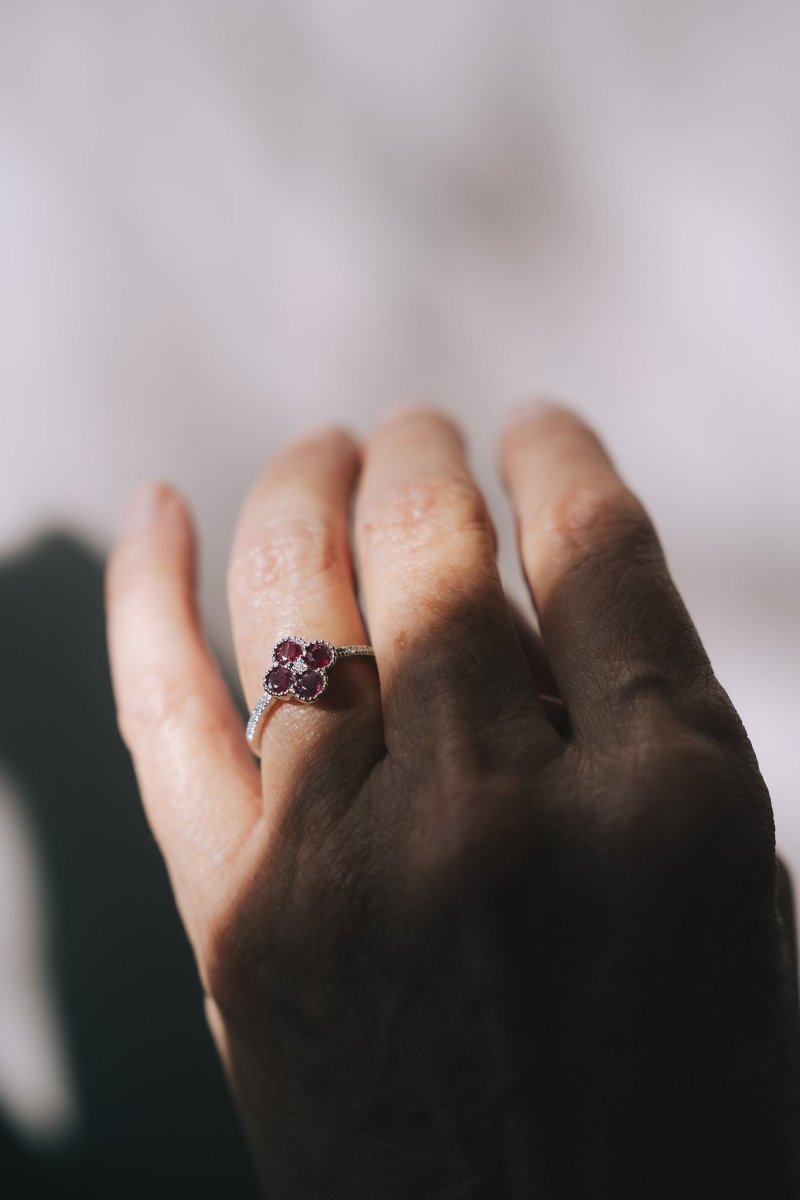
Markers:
652,698
160,699
713,712
424,511
687,803
592,518
644,693
290,550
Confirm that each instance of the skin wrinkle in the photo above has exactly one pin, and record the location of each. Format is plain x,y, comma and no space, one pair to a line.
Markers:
290,550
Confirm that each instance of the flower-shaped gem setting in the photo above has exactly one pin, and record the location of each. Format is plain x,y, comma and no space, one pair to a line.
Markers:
299,668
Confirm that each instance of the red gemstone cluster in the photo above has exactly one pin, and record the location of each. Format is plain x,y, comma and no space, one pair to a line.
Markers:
299,668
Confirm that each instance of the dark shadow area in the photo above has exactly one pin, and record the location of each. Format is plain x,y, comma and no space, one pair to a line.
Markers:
156,1117
482,969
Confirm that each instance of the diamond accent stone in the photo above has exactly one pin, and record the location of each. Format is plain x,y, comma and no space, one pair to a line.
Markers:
256,717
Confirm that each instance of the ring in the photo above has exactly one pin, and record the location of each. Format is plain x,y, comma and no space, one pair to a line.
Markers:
299,671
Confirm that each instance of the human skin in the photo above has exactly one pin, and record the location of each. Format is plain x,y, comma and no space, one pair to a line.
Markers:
452,945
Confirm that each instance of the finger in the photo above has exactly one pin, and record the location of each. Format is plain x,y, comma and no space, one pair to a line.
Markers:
614,627
291,573
198,782
450,661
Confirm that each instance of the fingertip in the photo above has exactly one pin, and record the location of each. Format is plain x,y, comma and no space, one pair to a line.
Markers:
538,418
531,411
156,536
150,503
416,420
334,434
403,410
346,442
326,443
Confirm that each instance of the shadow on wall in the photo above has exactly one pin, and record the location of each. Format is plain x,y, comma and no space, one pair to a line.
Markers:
156,1118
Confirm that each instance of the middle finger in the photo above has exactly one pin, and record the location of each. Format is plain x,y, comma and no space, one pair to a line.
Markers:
450,660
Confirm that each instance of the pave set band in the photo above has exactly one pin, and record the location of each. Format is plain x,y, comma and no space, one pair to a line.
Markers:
298,671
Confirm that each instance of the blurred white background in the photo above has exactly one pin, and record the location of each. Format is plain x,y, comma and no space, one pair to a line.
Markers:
222,223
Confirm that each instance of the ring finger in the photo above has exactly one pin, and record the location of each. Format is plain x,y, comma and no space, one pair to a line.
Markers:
291,573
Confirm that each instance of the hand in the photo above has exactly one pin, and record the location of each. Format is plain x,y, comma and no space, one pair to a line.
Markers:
447,948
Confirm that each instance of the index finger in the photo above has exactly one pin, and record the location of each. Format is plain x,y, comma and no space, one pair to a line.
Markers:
199,785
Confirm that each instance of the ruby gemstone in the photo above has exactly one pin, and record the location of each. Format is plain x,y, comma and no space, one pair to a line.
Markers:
309,685
288,651
319,655
278,681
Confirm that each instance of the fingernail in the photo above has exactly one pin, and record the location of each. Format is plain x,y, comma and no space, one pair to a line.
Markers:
142,507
